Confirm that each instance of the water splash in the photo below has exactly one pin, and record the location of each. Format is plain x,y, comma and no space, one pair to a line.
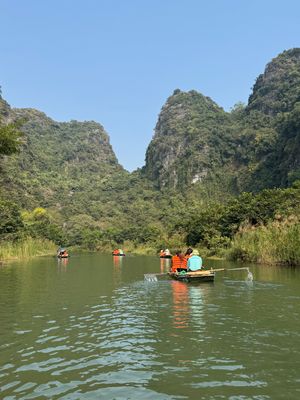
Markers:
150,277
249,276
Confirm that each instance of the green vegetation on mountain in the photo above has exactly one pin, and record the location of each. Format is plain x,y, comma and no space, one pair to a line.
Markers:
10,134
226,182
277,89
250,148
193,138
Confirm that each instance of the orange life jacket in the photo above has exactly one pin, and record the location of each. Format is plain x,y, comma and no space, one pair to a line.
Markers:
116,252
176,263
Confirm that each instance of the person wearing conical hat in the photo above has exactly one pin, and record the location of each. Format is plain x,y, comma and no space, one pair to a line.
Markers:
194,262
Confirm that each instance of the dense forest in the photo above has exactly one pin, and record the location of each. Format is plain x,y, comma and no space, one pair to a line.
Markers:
225,182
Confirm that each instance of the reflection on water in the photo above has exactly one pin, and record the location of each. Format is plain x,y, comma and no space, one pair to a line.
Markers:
165,264
62,263
188,305
117,269
197,306
97,330
117,261
181,304
249,276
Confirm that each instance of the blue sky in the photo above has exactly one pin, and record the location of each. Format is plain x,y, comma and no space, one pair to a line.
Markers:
117,61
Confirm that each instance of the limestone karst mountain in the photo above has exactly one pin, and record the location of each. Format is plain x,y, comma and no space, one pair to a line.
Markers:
57,159
198,151
251,147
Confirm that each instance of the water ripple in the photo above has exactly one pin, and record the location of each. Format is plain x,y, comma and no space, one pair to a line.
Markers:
165,340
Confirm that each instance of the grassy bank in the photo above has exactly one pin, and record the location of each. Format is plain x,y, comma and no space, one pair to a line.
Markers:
26,248
276,243
149,248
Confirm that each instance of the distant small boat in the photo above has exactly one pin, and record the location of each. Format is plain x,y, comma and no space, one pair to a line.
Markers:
197,276
118,253
166,256
62,253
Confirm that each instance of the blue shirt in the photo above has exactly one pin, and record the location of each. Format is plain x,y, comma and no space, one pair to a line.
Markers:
194,263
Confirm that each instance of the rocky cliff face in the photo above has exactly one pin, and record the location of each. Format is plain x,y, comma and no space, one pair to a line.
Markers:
5,109
195,140
56,159
276,101
188,138
278,88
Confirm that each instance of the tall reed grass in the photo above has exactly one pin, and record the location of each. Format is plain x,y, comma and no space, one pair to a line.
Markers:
26,248
173,243
276,243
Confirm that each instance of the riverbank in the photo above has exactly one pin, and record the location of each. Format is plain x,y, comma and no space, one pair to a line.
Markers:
276,243
26,248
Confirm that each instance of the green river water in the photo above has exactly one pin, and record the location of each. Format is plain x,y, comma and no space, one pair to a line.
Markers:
91,327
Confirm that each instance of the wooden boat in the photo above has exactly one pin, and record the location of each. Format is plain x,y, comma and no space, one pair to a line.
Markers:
166,256
65,255
62,253
118,255
197,276
202,275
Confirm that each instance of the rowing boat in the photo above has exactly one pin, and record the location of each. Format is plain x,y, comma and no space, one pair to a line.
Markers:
196,276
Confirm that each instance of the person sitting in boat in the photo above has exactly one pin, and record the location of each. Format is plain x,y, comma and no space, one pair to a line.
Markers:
161,253
167,252
178,262
194,262
187,255
118,252
62,252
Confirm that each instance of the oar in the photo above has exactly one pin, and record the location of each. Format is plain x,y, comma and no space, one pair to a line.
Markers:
249,277
158,274
226,269
214,270
154,275
236,269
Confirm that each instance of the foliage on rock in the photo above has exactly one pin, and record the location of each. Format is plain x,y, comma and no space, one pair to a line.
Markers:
209,174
